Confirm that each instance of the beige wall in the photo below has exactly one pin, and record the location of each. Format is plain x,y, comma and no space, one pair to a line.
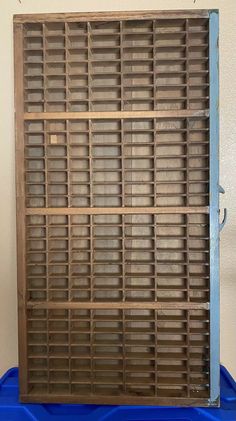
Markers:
8,318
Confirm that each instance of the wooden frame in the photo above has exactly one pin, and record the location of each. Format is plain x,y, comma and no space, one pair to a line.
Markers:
113,209
100,16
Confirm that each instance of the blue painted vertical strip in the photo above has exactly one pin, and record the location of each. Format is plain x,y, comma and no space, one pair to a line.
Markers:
214,208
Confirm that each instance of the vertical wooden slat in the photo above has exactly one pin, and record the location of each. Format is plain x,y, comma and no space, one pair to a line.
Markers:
20,206
90,91
48,287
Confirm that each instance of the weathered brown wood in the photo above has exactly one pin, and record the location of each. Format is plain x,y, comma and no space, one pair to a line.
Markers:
115,115
117,400
118,305
99,16
116,211
113,175
20,206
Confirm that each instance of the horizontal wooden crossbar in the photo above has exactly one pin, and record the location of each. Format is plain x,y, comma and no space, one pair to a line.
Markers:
117,400
118,305
115,211
97,16
115,114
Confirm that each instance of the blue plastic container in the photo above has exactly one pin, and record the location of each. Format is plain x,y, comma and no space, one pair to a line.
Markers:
12,410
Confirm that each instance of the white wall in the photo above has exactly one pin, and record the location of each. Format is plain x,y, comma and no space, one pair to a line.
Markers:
8,314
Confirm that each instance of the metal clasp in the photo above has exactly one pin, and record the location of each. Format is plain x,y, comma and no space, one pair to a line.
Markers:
223,222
